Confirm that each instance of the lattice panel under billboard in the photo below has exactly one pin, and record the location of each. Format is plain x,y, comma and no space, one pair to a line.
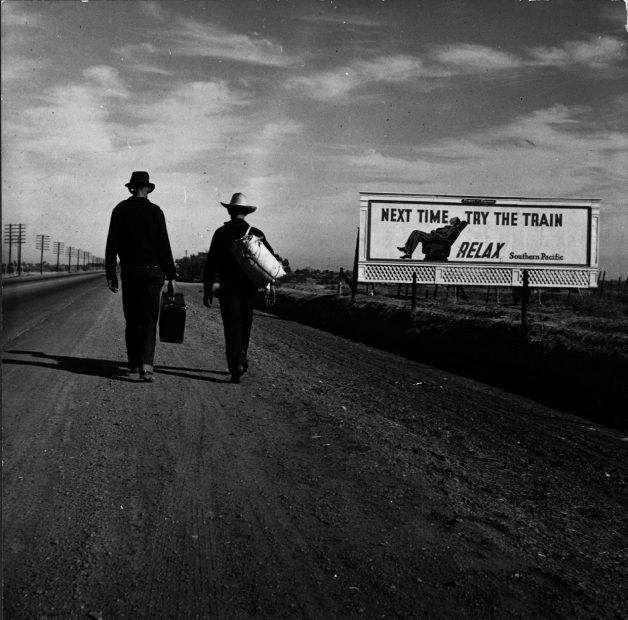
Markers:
387,272
474,275
488,276
573,278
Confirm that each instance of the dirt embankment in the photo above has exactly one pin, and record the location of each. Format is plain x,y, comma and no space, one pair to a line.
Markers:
579,369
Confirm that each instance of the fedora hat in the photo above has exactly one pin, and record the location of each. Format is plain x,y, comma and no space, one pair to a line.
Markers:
238,203
139,177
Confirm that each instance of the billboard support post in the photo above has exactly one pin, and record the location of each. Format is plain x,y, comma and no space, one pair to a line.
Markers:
524,298
414,291
354,282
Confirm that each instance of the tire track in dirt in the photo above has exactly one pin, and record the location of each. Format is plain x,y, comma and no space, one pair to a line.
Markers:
238,510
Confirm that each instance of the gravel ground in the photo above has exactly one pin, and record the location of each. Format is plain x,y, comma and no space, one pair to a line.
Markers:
336,481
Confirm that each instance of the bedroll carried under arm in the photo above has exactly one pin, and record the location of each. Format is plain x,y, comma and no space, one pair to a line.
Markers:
257,262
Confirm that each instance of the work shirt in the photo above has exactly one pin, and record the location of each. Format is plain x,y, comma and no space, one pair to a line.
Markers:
221,266
138,235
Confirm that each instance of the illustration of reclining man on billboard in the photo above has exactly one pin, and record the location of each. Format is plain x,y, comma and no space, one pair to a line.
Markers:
437,243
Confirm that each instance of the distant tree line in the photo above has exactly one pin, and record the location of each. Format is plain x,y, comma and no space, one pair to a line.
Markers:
319,276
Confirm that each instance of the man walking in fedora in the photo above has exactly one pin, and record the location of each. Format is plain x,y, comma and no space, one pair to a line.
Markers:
138,235
236,292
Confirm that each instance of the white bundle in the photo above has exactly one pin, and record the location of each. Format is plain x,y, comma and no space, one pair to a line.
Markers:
257,262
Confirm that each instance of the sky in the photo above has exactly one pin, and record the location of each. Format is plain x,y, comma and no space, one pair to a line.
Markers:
301,105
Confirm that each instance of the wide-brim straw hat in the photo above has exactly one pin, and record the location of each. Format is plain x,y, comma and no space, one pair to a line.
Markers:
140,177
239,203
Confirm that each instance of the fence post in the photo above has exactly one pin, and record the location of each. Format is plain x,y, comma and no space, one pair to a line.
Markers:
354,282
524,298
413,291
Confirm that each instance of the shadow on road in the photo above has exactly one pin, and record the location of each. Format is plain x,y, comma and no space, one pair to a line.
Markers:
80,365
109,369
185,373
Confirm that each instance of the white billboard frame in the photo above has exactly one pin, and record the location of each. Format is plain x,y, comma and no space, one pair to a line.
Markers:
375,264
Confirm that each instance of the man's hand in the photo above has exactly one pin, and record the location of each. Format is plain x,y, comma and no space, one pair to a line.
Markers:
207,301
270,296
170,288
113,284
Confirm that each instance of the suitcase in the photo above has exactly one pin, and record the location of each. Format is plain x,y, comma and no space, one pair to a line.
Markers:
172,313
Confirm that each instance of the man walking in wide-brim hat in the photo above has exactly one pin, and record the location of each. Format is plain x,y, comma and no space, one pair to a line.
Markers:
138,235
236,292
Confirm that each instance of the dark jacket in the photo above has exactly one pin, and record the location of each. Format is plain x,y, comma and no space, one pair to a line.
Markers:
138,235
221,266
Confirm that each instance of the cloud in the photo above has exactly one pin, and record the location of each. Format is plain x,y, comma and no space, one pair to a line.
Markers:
138,57
13,17
17,28
106,80
192,38
603,56
348,21
72,122
555,151
196,139
597,54
152,9
342,82
17,68
467,58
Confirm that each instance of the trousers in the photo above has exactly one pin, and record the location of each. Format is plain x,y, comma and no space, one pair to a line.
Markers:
416,237
236,310
141,290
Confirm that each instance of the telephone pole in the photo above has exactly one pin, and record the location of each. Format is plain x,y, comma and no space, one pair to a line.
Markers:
70,254
9,239
21,240
42,242
57,248
15,234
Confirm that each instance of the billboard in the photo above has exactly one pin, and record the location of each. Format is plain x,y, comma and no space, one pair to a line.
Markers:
417,232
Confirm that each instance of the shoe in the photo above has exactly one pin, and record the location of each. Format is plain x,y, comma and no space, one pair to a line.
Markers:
236,374
406,256
146,373
402,248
